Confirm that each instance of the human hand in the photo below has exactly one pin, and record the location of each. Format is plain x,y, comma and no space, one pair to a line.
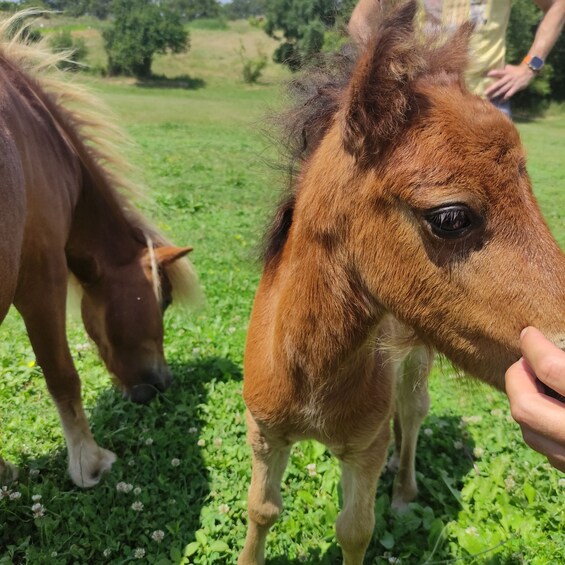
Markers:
541,417
510,79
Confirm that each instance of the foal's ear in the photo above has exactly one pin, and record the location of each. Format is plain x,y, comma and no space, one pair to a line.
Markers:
379,97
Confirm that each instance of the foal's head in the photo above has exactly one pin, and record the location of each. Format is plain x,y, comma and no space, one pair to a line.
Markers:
123,313
420,189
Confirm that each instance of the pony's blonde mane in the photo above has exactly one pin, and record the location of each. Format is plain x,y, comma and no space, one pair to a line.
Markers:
95,126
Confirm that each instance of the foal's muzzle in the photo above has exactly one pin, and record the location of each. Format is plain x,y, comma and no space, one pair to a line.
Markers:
151,384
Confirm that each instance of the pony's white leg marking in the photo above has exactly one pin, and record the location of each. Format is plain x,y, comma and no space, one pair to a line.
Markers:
356,521
270,457
412,404
87,461
8,472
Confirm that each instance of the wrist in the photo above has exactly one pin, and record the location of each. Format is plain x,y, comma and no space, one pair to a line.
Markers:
534,63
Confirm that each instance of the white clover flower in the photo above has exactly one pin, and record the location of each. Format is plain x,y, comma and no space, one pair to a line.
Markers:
15,495
231,330
218,442
428,432
497,412
36,497
392,559
471,530
137,506
33,472
478,452
561,482
107,552
54,554
223,508
137,490
158,536
149,441
124,487
38,510
5,492
192,430
509,482
311,469
82,346
201,443
131,462
195,351
139,553
175,462
472,419
458,444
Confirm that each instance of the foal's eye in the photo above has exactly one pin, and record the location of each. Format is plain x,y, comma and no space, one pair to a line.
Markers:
450,222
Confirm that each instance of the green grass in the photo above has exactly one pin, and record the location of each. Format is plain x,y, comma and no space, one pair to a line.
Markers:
485,497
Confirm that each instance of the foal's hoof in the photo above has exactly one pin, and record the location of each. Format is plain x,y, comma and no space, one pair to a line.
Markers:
8,472
88,469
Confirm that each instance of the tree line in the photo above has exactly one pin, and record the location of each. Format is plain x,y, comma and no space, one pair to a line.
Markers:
138,29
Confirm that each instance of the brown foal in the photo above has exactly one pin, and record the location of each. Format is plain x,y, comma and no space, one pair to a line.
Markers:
411,221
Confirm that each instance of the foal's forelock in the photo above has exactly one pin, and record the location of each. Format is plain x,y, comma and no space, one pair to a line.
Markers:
155,278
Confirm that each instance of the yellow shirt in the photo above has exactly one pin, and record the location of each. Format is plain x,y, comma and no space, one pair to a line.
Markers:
488,45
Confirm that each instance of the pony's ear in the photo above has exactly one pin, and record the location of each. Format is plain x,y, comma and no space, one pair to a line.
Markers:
379,97
169,254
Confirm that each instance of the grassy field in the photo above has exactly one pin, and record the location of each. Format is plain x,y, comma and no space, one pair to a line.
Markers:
485,497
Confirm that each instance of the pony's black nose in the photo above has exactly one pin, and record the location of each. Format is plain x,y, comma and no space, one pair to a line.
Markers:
149,387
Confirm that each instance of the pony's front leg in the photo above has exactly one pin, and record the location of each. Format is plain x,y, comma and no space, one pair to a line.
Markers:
412,404
43,311
360,474
270,457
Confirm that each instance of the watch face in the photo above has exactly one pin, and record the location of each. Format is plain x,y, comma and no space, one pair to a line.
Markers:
536,63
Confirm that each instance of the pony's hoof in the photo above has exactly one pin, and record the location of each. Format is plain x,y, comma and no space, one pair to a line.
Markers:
8,472
401,499
88,470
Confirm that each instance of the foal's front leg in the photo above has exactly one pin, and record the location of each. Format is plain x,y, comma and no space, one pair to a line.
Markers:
412,405
270,457
41,300
359,476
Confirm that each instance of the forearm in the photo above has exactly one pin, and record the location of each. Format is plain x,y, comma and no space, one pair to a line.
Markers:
549,28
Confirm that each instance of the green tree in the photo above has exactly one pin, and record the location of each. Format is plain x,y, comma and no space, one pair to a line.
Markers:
140,29
242,9
188,10
303,24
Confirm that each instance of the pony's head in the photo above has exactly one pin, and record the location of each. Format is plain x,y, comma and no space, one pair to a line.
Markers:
418,191
123,309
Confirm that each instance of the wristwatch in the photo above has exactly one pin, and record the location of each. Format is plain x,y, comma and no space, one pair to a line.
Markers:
534,62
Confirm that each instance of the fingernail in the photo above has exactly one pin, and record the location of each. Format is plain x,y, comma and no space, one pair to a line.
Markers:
523,333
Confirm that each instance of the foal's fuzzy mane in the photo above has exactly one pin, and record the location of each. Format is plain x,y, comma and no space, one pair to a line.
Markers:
323,89
90,126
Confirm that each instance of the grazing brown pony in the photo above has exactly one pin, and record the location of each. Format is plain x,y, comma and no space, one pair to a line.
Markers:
63,211
411,220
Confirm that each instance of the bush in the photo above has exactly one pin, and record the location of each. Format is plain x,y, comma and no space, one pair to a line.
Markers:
252,68
63,41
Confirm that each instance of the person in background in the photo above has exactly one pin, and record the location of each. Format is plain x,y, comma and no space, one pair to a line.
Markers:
541,417
488,74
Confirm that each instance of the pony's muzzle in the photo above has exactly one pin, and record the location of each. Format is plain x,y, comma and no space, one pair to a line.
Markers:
153,384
